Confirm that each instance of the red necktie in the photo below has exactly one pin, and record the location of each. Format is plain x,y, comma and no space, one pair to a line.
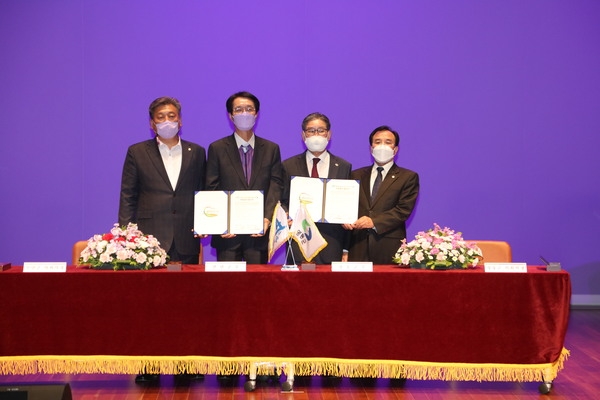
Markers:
315,173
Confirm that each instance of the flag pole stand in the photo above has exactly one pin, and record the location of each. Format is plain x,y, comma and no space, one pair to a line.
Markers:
289,252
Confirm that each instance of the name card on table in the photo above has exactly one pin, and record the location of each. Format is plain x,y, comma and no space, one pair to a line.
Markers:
45,267
339,266
504,267
225,266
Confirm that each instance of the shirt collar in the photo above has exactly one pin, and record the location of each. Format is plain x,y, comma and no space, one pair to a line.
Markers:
241,142
386,167
161,144
323,157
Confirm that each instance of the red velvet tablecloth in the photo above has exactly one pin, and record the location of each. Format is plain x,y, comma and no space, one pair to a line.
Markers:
389,314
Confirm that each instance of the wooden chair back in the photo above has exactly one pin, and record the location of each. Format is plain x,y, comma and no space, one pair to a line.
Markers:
494,250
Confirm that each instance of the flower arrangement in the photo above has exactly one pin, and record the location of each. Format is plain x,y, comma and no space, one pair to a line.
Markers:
438,248
123,248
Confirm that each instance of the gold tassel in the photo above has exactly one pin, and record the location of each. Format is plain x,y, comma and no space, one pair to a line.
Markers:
25,365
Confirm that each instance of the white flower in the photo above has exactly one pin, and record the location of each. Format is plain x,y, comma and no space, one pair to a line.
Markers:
122,254
101,245
405,258
419,257
140,258
157,260
105,258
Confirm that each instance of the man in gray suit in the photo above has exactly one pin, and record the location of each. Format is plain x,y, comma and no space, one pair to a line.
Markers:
317,162
160,178
244,161
387,196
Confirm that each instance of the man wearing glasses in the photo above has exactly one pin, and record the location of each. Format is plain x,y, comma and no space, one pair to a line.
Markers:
317,162
244,161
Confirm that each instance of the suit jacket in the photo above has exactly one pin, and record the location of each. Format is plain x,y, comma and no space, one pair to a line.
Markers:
336,236
389,211
224,171
148,199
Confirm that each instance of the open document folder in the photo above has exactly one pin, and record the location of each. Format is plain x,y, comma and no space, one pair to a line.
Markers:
333,201
238,212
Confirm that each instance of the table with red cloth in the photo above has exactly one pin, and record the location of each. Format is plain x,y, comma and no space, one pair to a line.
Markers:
392,322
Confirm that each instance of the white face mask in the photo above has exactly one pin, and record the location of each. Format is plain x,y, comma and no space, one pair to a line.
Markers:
382,153
167,129
244,121
316,144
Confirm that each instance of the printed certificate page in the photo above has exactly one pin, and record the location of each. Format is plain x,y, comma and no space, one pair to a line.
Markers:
210,213
310,192
246,212
341,201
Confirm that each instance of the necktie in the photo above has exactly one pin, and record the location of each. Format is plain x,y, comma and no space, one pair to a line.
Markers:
246,153
315,173
377,182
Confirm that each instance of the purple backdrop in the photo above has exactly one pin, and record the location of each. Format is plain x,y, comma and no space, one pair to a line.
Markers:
496,102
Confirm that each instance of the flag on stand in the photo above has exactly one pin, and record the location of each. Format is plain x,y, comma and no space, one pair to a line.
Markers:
306,234
280,232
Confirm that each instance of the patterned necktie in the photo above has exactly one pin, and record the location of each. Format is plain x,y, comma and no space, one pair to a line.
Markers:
377,182
315,172
246,153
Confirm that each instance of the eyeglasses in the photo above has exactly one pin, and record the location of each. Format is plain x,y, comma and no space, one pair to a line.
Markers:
248,109
314,131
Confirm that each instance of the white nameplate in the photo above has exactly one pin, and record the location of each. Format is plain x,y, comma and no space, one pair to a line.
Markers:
225,266
504,267
339,266
290,268
45,267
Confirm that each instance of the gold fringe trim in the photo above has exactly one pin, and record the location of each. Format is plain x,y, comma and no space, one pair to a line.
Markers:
416,370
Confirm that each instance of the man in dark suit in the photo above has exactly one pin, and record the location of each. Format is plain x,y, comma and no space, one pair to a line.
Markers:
388,194
244,161
317,162
160,178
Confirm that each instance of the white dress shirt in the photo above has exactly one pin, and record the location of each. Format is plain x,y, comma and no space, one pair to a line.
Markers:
171,158
322,165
